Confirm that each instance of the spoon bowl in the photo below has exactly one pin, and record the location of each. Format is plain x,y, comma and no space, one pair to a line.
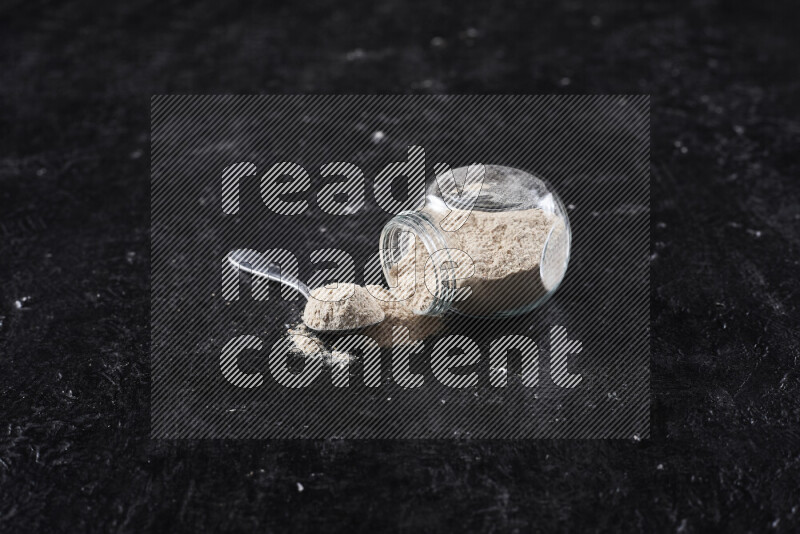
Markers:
252,262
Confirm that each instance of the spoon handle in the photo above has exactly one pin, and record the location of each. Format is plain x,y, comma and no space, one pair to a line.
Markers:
252,262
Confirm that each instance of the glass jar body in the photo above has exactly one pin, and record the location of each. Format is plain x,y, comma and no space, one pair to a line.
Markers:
489,241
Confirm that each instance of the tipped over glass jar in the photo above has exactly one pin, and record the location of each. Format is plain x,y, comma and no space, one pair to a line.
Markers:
489,241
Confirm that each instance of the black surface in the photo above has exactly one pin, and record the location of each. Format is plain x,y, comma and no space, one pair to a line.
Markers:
74,93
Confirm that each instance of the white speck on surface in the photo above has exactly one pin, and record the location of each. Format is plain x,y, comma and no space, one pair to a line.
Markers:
355,55
130,256
300,487
571,206
378,136
636,437
339,358
738,129
21,302
660,467
754,233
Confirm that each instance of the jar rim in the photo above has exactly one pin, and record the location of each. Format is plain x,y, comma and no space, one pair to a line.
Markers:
424,228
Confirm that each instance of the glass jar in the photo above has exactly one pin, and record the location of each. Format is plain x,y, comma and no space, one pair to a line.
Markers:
496,245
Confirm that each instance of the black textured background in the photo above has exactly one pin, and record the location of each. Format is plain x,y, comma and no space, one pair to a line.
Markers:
75,84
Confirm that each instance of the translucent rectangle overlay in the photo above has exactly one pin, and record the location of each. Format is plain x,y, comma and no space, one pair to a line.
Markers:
576,367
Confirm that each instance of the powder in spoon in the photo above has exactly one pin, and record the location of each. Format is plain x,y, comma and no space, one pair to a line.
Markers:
397,314
341,307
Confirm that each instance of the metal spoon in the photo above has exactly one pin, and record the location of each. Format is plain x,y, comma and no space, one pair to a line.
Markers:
251,262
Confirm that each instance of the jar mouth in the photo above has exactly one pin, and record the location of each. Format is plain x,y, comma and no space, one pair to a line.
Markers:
399,237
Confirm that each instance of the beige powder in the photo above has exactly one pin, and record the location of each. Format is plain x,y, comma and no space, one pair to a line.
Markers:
396,314
506,251
408,275
308,343
343,307
399,314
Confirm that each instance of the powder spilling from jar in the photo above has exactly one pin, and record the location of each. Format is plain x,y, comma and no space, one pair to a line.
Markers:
501,262
505,273
399,314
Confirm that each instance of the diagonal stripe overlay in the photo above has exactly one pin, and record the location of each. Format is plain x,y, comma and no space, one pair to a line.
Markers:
292,178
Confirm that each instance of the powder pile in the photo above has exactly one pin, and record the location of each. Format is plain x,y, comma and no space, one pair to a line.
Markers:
399,314
396,314
343,307
308,343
